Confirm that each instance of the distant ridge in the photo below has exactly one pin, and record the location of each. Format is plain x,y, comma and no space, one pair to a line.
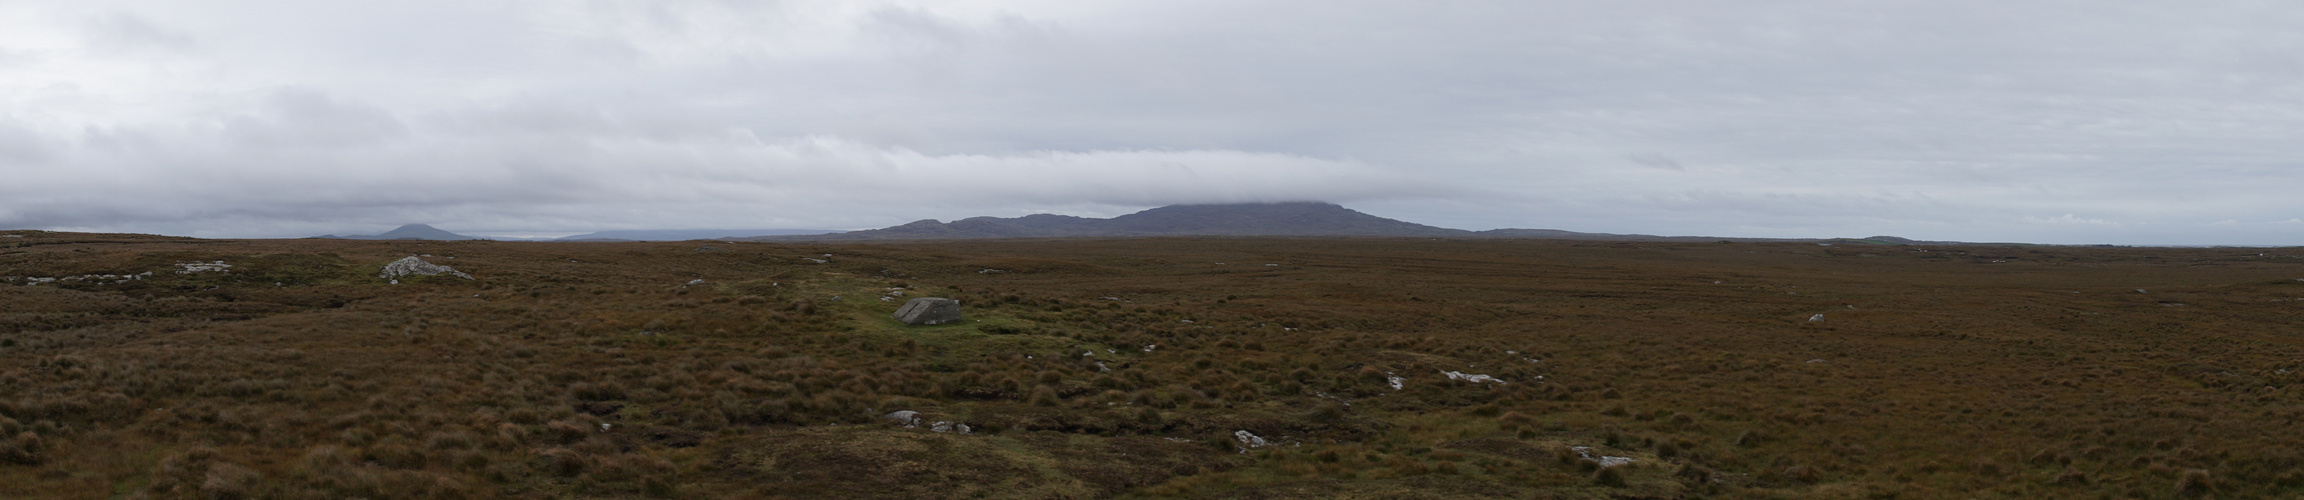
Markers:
1243,219
686,234
1303,218
407,232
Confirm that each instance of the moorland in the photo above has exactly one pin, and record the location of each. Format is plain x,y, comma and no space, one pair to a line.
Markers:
1146,368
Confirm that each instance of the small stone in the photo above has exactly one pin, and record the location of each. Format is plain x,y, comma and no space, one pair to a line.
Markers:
1819,317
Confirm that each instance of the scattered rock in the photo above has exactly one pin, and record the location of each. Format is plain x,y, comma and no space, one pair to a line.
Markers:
942,426
1585,452
1396,380
929,311
101,279
1469,377
416,266
203,267
1819,317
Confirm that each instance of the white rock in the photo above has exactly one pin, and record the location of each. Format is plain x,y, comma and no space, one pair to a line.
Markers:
1585,452
907,418
1819,317
412,265
1471,377
203,267
1396,380
1249,440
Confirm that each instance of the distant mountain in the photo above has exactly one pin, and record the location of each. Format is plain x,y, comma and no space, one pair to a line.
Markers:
407,232
1235,219
686,234
1239,219
1555,234
1242,219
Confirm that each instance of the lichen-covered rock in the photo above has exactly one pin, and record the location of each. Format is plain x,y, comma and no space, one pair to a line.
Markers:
943,426
415,266
1471,377
203,267
1249,440
906,418
929,311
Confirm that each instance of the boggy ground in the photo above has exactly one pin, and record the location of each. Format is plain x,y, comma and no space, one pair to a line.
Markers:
1125,368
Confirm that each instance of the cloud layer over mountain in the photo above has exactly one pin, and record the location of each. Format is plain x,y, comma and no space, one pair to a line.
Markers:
2060,121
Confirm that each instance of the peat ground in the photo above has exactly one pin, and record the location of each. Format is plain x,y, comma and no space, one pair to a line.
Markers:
1130,368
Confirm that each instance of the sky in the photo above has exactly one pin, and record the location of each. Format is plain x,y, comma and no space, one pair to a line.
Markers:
2141,122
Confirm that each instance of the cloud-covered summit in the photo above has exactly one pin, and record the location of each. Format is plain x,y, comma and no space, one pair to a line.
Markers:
2066,121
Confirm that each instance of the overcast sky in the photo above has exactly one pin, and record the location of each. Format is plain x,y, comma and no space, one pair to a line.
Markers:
2134,122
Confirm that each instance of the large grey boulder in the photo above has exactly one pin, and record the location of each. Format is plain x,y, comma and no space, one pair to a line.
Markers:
414,266
929,311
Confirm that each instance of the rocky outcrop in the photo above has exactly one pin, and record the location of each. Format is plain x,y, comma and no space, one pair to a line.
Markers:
413,266
929,311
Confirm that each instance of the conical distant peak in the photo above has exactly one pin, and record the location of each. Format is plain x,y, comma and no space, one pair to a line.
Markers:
421,232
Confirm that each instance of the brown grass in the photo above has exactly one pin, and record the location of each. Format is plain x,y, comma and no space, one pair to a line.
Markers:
594,369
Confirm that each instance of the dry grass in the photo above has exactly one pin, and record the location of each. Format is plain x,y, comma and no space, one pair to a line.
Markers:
1102,368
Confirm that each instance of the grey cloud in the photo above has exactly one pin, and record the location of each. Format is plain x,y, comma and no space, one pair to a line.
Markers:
126,32
305,118
20,145
1951,120
1655,160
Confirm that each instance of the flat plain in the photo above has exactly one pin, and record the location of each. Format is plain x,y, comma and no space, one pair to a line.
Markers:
1146,368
